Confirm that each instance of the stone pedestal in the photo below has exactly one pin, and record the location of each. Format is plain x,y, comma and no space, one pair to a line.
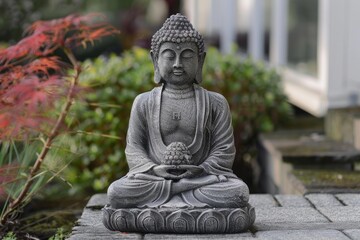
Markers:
166,220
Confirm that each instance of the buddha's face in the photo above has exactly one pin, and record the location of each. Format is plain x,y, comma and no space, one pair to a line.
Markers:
178,62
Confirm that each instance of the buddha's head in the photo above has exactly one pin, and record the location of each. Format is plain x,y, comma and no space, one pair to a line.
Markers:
177,51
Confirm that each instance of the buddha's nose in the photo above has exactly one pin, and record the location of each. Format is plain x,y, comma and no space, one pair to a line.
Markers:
177,63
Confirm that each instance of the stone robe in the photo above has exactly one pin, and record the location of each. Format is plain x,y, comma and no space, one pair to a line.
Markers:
212,148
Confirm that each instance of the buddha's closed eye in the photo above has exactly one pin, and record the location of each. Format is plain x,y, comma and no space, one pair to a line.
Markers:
187,54
168,54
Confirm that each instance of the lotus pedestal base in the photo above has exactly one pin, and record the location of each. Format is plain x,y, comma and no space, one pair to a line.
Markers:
166,220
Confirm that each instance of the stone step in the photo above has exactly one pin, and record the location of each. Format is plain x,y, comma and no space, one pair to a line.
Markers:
328,180
307,147
300,162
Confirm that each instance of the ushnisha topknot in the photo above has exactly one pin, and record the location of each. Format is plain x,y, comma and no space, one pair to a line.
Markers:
177,29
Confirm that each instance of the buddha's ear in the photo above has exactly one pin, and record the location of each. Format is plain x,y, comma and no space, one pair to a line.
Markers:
198,78
157,76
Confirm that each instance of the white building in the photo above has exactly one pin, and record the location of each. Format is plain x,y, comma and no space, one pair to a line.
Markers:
315,44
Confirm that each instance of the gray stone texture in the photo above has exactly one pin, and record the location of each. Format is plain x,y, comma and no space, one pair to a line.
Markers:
292,201
303,235
262,201
353,233
306,161
289,215
323,200
97,201
242,236
181,221
307,147
341,214
267,226
90,226
319,221
349,199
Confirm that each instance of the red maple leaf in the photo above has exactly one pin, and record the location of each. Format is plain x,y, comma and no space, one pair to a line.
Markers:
31,80
34,93
46,65
4,121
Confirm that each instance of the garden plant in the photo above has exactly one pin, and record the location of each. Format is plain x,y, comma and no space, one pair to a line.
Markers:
39,82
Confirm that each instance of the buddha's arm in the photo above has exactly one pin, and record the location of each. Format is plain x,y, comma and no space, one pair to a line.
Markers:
187,184
136,140
222,153
187,181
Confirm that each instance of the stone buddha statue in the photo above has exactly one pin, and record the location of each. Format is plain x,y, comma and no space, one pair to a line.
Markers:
180,146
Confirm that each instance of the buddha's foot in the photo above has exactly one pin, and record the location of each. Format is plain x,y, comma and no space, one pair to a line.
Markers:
200,220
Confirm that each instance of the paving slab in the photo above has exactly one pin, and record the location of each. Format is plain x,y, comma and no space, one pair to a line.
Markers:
341,214
241,236
315,216
292,201
105,236
353,233
262,201
90,226
289,215
323,200
349,199
303,235
267,226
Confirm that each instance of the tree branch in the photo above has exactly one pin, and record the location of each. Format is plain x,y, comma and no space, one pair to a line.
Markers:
47,145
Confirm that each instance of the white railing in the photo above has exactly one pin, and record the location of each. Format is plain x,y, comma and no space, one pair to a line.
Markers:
337,84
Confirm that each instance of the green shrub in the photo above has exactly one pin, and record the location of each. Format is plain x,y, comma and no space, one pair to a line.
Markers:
254,93
10,236
115,81
256,100
59,235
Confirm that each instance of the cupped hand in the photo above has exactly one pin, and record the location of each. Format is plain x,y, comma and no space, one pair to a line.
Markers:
190,170
163,171
222,178
176,172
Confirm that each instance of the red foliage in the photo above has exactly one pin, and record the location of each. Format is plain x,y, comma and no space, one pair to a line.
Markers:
43,37
31,80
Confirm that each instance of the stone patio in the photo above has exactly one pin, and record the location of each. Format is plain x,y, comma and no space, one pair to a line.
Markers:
313,216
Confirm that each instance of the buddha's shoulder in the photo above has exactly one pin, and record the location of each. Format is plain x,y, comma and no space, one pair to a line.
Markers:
144,98
217,100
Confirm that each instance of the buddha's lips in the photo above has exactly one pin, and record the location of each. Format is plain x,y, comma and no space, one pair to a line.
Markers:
178,72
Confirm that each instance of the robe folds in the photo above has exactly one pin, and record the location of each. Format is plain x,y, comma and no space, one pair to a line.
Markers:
212,148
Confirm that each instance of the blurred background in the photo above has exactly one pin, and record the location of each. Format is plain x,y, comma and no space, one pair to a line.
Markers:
311,44
314,41
288,65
